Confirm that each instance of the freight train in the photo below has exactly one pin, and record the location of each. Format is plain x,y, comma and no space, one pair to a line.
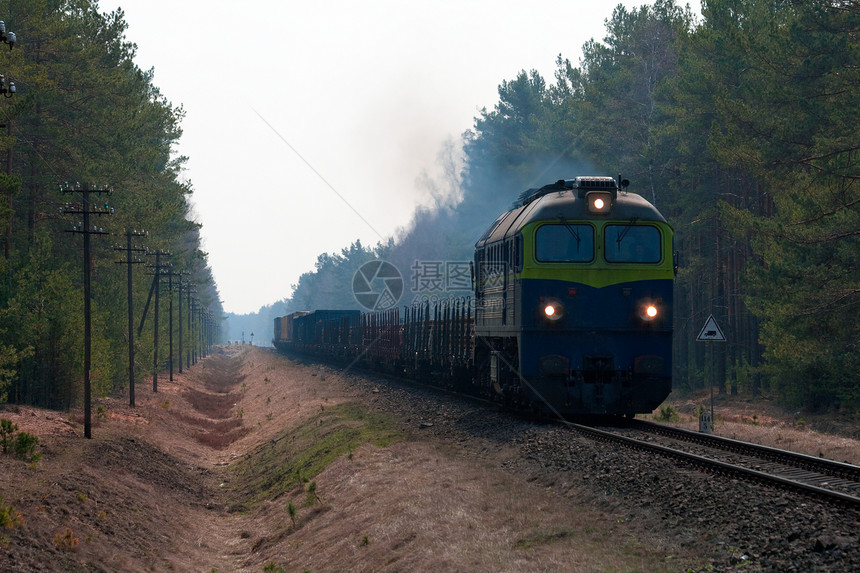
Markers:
571,313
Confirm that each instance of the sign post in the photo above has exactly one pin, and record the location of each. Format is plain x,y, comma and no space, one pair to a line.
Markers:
710,333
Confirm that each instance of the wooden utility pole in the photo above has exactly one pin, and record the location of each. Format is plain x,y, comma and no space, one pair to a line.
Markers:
170,322
179,299
156,288
129,261
86,209
170,276
190,328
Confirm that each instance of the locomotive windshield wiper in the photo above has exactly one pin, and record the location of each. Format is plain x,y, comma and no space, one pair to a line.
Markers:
623,233
575,234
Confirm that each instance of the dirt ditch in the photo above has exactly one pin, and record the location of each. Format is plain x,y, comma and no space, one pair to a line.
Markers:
251,462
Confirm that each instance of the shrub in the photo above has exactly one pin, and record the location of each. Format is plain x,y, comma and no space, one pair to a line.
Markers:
9,517
66,540
667,413
7,430
22,444
312,497
25,447
291,510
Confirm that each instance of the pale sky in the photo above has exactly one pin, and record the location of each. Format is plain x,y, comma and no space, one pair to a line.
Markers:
308,122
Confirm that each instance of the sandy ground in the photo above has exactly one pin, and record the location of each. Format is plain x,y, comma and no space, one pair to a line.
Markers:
165,486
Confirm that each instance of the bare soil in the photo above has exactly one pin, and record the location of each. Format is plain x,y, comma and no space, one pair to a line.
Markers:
201,476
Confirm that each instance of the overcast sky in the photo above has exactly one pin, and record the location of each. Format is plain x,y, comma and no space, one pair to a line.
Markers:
308,122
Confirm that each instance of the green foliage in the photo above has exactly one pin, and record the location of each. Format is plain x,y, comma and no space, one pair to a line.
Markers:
10,362
292,512
22,444
312,496
330,284
273,568
7,432
24,447
667,413
286,464
805,289
88,114
741,127
619,89
543,538
743,131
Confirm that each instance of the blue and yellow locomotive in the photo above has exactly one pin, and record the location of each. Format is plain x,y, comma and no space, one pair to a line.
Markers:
573,301
572,310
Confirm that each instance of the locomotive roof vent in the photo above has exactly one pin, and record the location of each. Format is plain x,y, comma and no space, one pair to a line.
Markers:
584,185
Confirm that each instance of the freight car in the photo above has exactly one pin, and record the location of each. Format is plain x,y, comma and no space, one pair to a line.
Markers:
571,315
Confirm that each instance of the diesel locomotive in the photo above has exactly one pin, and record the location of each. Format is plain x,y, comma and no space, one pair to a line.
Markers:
571,313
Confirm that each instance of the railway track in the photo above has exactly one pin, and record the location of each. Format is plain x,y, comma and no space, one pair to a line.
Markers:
819,478
823,479
815,477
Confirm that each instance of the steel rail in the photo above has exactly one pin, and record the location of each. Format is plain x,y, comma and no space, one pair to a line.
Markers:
720,466
804,461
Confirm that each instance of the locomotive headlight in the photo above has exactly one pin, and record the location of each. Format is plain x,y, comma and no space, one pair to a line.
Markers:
649,312
552,310
599,202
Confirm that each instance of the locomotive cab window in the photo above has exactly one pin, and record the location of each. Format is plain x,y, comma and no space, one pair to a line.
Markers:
632,244
564,243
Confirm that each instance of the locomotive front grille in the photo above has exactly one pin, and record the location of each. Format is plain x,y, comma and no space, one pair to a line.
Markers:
598,369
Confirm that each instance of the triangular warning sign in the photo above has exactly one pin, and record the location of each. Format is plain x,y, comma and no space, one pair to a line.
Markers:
711,332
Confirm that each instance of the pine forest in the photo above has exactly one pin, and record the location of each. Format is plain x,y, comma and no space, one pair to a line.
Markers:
741,124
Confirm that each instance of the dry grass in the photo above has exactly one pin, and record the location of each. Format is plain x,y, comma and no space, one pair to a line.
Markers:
764,422
410,507
805,441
